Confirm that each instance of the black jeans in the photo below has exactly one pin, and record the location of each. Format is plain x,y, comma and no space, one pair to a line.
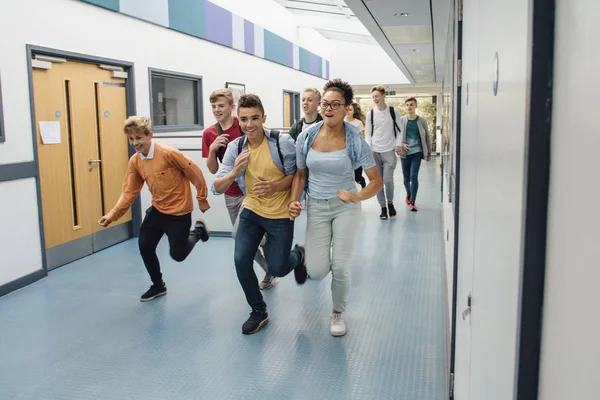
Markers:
155,225
278,251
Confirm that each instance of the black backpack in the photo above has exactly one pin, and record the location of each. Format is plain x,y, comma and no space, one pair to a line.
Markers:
393,114
222,150
274,134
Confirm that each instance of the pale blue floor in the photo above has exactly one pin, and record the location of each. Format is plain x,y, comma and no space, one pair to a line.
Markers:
82,333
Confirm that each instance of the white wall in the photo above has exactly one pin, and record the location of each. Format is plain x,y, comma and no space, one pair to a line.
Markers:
117,36
570,359
491,196
19,230
363,64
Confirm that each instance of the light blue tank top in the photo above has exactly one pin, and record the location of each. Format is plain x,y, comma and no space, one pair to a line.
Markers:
328,173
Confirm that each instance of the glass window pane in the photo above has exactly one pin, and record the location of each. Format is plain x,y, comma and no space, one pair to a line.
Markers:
174,101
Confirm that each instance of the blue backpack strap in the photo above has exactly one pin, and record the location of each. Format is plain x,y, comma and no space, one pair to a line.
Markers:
240,145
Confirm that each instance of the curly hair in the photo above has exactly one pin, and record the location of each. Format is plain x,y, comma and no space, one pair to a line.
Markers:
342,87
251,101
135,124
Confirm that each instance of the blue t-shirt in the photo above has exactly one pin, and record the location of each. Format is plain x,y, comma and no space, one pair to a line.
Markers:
413,137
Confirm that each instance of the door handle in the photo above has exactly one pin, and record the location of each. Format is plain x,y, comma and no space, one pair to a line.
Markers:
90,161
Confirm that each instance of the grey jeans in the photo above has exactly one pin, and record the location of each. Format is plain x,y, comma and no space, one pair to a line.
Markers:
386,164
331,233
234,208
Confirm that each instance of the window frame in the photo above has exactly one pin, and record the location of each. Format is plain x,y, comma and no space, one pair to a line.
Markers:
197,80
2,131
295,106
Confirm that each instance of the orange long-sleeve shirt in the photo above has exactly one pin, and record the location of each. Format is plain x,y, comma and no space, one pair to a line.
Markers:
168,175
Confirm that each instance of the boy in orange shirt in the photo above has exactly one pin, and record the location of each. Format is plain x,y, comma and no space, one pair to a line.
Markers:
168,173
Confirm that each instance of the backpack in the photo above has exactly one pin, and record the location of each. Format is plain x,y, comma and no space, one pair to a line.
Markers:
393,114
222,150
273,134
300,125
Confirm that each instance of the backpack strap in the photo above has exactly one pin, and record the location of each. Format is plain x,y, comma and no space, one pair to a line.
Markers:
393,114
240,145
275,134
221,152
300,125
372,124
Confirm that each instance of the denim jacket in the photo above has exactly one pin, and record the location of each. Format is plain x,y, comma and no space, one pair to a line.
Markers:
286,145
359,151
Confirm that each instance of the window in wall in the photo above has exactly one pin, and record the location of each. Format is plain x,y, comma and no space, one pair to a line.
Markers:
291,108
176,101
2,135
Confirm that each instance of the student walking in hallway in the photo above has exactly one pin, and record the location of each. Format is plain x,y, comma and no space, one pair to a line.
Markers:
168,173
382,134
214,143
263,163
332,150
415,146
311,99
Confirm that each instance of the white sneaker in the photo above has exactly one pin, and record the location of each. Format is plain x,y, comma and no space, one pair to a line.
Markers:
337,326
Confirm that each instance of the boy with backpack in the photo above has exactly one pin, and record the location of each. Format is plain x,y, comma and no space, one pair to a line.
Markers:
214,143
383,134
263,163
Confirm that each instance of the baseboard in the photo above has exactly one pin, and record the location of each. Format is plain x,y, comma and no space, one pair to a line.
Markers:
22,282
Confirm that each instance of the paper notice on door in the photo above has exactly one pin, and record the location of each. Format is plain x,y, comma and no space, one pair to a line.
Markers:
50,131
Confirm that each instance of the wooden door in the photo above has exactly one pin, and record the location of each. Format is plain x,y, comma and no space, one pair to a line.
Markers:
70,101
287,110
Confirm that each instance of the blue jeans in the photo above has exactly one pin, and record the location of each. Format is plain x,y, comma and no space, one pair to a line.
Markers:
410,169
278,251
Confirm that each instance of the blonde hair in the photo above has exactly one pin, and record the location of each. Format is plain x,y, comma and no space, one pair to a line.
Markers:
378,88
314,91
135,124
221,93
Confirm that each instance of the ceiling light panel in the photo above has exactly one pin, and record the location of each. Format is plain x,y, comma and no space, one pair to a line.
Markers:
411,34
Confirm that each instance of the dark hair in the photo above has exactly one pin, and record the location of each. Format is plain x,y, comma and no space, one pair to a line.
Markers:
251,101
357,112
342,87
411,99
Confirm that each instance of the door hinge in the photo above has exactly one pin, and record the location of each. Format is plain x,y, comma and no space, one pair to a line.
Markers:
459,73
460,10
451,385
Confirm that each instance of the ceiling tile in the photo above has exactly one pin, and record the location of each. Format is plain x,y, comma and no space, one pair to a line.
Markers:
411,34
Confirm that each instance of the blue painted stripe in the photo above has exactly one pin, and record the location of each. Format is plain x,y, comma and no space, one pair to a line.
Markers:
276,48
187,16
109,4
304,60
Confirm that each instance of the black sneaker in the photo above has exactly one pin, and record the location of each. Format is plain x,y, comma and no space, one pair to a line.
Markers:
257,320
384,214
392,210
300,272
201,231
154,292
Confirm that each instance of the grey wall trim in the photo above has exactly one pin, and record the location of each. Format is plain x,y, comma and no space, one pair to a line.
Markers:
111,236
22,282
199,103
130,104
2,132
22,170
65,253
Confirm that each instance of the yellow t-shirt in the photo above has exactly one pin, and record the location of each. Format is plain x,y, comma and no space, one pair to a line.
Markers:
260,164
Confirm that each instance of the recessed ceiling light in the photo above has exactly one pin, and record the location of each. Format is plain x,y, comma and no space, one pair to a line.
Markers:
401,14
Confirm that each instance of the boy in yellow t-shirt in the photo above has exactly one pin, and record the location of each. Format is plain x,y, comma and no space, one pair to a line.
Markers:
168,173
263,163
